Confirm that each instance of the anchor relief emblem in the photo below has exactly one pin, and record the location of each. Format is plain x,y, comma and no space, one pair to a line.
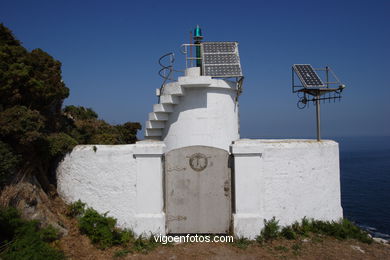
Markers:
198,162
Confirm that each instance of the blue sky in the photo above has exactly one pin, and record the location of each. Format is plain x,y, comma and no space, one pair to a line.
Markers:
109,52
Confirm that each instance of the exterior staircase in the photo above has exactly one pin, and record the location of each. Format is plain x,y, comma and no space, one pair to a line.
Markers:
157,119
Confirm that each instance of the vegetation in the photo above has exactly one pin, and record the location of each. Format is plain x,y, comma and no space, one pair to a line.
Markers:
22,239
98,227
35,132
102,231
270,231
76,209
145,245
343,229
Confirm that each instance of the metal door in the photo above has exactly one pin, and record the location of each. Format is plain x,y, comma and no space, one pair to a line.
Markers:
197,190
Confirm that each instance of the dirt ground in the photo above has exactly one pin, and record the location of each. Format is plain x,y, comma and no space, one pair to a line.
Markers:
77,246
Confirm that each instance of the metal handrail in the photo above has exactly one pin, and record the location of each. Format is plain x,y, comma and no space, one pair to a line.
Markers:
189,59
164,69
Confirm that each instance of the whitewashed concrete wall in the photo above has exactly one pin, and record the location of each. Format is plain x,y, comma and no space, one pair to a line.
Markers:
288,179
124,180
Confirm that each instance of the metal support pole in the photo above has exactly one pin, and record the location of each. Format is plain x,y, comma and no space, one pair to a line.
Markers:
318,117
327,76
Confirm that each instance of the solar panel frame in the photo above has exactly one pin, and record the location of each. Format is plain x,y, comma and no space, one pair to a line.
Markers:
221,59
308,76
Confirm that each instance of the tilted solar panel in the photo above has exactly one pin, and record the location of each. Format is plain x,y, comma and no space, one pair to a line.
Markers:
221,59
307,75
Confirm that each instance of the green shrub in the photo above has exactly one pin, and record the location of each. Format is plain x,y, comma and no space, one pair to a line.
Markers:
80,113
126,236
343,229
303,228
288,233
76,209
101,229
270,230
49,234
22,239
8,163
59,144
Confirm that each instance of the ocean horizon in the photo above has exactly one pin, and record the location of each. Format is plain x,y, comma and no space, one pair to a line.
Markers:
365,180
365,183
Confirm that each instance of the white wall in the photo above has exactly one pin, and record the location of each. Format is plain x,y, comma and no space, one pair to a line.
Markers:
125,180
288,179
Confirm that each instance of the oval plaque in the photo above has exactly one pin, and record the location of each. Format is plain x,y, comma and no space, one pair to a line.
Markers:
198,162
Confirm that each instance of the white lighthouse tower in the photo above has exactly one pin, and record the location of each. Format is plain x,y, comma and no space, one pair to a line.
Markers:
201,107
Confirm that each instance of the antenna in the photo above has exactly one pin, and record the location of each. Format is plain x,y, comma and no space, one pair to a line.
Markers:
313,89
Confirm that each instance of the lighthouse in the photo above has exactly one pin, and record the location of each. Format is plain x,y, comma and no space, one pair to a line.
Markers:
200,107
193,174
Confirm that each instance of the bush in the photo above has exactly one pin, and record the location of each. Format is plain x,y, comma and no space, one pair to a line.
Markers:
8,163
343,229
303,228
22,239
288,233
270,230
76,209
102,231
59,144
49,234
80,113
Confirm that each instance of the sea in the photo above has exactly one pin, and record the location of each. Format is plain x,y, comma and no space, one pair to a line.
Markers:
365,182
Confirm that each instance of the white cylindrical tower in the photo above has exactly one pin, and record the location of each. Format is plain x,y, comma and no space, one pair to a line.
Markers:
200,108
206,113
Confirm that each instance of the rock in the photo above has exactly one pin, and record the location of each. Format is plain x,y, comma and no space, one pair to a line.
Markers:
357,248
33,204
380,240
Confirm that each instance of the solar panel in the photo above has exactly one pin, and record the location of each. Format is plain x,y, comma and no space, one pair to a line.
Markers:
221,59
307,75
214,47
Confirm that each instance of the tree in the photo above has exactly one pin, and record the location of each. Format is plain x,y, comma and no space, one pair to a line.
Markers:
34,130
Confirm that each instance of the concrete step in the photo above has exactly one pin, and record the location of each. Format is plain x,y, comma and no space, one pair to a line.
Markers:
173,88
154,124
169,99
162,108
153,132
158,116
202,81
